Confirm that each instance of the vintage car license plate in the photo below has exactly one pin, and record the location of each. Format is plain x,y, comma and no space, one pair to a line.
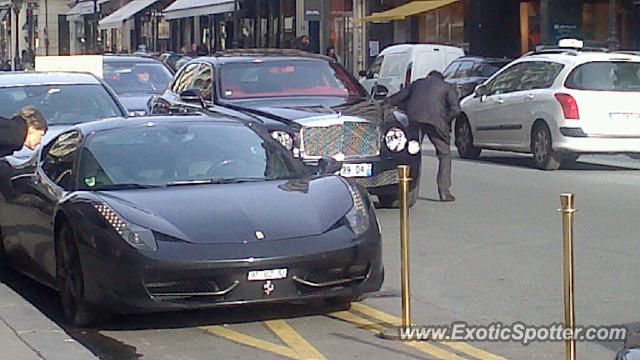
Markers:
356,170
271,274
622,116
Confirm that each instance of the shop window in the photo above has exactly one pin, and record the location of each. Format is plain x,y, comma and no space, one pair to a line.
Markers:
444,25
595,23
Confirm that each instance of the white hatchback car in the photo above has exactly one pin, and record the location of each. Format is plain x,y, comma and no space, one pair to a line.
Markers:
556,104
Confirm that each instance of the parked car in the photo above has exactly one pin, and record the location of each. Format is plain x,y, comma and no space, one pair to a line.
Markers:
183,212
312,105
64,99
135,79
400,65
467,72
556,104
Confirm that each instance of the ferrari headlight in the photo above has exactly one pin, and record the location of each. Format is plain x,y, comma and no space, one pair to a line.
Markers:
358,217
283,138
396,139
136,236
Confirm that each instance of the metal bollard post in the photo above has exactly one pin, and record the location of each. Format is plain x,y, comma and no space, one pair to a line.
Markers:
567,210
403,172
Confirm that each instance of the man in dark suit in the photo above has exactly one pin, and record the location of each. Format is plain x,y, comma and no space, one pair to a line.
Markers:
433,104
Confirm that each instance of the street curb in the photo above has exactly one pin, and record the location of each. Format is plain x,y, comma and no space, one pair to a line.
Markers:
26,333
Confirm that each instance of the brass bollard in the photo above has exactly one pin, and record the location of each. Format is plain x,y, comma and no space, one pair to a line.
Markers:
567,210
403,172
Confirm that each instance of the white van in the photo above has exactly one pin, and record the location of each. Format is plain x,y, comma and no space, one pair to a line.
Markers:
399,65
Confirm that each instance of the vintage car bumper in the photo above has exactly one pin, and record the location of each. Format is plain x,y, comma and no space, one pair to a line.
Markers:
189,276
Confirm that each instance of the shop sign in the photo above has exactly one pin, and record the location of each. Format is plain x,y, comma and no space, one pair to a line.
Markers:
312,10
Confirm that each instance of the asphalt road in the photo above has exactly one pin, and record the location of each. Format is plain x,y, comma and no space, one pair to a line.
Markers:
494,255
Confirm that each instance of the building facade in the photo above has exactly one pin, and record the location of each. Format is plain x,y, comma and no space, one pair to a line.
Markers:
39,29
504,28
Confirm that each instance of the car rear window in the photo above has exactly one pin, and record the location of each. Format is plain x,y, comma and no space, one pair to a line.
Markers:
605,76
131,77
61,104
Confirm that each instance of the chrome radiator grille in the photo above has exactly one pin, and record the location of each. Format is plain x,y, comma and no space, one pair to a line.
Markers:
353,139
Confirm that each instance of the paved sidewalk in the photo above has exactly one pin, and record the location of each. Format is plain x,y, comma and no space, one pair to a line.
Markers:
26,333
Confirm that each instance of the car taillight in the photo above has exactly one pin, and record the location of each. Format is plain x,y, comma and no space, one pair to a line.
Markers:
569,106
407,76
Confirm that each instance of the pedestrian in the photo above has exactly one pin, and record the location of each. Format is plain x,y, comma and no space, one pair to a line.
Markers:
194,50
331,52
433,104
26,128
303,43
27,60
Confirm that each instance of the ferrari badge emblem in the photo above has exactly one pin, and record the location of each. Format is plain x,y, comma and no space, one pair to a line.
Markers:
268,287
259,235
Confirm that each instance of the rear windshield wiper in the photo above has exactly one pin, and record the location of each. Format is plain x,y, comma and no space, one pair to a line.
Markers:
215,181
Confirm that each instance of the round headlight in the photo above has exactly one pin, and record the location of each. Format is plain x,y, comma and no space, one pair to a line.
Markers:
414,147
283,138
395,139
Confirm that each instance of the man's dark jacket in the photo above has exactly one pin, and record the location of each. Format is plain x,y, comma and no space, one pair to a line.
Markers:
430,101
13,133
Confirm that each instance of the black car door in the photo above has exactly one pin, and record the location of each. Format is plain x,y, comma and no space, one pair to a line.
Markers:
38,195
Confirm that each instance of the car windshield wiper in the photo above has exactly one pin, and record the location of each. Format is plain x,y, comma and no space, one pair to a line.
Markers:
126,186
215,181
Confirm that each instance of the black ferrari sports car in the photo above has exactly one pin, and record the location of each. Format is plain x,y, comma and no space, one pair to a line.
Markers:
311,105
179,212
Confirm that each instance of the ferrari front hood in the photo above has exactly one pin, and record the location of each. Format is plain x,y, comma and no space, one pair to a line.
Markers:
236,213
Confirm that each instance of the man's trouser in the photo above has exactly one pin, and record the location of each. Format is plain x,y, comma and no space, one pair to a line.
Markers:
443,151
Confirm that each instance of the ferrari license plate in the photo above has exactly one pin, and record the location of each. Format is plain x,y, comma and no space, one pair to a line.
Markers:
356,170
272,274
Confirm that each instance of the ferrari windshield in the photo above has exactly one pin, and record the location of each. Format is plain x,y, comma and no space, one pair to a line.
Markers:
60,104
286,78
182,154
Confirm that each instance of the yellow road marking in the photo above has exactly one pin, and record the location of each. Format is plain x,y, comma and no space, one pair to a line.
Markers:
294,340
422,346
241,338
392,320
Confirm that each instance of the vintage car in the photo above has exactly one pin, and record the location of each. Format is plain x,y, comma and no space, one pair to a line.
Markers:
311,105
225,216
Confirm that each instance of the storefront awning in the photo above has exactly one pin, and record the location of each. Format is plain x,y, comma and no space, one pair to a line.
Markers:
126,12
189,8
409,9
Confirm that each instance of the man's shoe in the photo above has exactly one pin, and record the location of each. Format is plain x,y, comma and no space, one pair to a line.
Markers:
447,197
